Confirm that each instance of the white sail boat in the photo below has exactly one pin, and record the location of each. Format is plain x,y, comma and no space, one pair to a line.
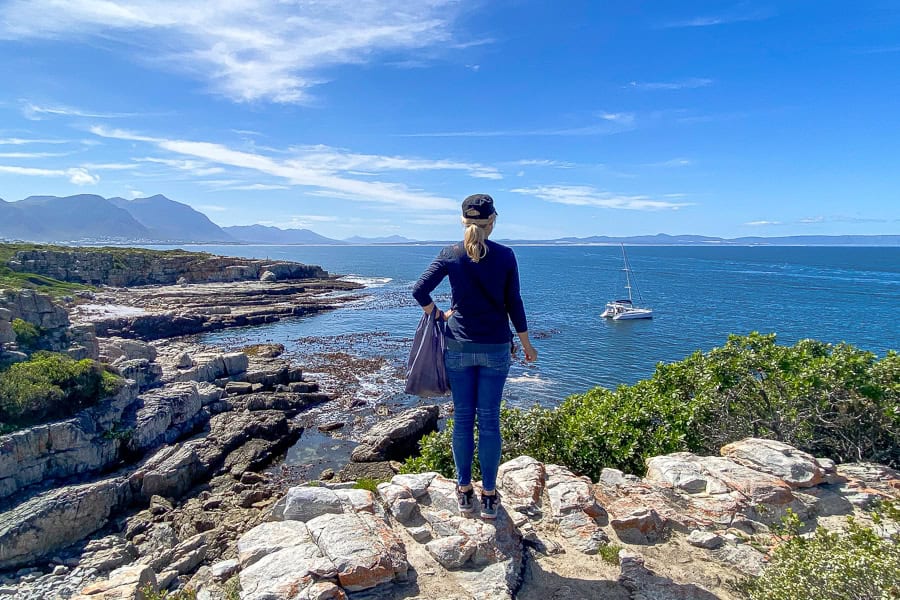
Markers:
620,310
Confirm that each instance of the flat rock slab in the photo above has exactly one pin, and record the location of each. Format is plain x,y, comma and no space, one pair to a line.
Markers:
303,503
125,584
285,574
365,551
796,468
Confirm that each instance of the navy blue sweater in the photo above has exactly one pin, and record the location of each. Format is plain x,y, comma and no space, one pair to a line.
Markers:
485,295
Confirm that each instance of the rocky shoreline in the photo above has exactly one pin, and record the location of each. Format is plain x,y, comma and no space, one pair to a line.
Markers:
171,482
179,451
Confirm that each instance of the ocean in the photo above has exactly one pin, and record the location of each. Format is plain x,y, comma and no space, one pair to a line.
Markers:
699,295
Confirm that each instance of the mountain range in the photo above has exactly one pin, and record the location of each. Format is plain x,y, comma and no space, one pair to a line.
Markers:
88,218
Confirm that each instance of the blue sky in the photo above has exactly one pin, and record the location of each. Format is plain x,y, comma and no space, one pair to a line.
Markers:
376,118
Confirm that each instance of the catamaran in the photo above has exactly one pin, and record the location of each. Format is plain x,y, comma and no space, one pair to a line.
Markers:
620,310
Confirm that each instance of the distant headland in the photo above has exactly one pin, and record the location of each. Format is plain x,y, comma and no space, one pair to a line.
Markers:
91,219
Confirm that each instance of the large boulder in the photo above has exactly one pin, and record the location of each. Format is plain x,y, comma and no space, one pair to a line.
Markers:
303,503
398,437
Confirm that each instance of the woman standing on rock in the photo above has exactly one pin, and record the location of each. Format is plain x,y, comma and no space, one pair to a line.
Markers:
484,281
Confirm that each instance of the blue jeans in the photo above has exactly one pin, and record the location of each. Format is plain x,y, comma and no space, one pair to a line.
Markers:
476,382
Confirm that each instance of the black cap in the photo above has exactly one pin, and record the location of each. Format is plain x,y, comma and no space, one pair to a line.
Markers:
478,206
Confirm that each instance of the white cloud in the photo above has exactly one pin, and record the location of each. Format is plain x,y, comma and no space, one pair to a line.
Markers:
542,162
762,223
76,175
21,141
254,187
809,220
31,154
683,84
109,166
319,173
673,163
37,113
211,208
584,195
80,176
334,159
315,218
201,169
738,15
610,123
620,118
247,50
136,194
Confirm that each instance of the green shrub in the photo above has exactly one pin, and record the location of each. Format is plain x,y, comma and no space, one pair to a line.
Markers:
28,336
857,564
832,401
52,385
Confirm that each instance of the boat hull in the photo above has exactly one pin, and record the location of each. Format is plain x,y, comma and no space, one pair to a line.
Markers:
634,313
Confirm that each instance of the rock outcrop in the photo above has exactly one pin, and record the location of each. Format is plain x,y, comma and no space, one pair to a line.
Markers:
158,312
42,311
412,541
134,268
42,513
62,449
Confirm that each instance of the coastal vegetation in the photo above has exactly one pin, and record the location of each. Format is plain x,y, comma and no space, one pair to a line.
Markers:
833,401
828,565
51,386
28,335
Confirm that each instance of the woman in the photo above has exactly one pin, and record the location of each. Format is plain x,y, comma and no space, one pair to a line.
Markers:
484,280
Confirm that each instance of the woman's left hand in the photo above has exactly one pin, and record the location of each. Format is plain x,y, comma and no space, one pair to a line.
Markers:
448,314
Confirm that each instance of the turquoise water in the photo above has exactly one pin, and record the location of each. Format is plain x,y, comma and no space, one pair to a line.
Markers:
699,296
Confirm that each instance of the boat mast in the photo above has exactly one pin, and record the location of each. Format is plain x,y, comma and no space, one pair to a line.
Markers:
628,284
627,278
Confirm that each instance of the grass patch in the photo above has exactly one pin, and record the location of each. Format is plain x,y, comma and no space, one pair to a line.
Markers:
368,483
14,280
150,594
610,554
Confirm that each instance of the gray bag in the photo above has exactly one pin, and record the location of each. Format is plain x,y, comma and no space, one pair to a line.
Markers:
425,373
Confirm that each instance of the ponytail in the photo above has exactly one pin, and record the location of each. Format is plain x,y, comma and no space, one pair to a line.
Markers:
477,231
474,242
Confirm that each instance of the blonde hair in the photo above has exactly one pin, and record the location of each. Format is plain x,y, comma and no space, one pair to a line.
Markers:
477,231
